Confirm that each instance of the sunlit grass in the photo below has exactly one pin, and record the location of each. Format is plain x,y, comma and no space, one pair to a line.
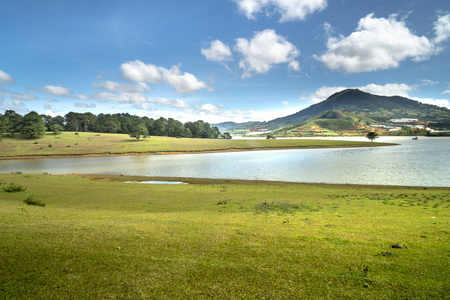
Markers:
110,239
68,143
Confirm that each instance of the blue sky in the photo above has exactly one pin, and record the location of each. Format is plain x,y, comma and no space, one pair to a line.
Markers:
221,60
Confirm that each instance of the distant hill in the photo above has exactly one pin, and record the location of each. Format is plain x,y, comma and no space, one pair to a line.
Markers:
330,123
230,126
348,110
365,105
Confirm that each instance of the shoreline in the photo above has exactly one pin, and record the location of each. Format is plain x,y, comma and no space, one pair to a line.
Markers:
106,154
193,180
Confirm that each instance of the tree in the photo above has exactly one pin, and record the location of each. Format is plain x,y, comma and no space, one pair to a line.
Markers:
372,135
4,124
32,125
226,135
138,131
56,129
14,121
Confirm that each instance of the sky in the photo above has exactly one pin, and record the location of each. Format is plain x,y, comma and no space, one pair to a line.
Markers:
218,60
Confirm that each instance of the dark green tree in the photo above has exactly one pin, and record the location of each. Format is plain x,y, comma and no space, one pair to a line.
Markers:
4,124
372,135
14,121
226,135
139,131
32,125
56,129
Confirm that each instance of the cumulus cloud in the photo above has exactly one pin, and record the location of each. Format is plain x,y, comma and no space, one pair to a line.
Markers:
5,78
56,90
121,87
85,105
208,108
265,50
390,89
442,28
130,98
217,52
81,96
177,103
20,96
182,83
14,104
377,44
289,10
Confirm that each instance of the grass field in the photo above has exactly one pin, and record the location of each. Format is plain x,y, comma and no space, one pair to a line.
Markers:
88,143
101,238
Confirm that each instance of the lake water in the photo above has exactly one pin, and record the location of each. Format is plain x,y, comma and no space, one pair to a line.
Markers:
424,162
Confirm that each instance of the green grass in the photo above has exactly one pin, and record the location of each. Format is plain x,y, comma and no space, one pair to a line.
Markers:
94,143
102,238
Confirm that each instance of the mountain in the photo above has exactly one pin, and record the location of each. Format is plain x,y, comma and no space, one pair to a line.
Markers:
366,105
348,110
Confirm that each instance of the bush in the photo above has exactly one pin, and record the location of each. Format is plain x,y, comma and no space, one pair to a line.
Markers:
12,188
278,207
31,200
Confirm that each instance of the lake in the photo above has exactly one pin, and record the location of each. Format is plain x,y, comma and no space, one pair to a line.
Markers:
424,162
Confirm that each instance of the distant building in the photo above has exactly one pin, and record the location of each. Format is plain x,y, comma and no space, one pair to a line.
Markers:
403,120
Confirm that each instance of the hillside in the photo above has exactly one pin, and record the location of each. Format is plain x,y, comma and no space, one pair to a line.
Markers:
365,105
330,123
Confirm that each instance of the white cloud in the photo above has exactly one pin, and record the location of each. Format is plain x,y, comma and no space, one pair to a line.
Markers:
217,52
14,105
442,28
122,87
182,83
5,77
56,90
290,10
286,103
429,82
130,98
21,96
50,99
47,106
208,108
390,89
85,105
263,51
171,102
377,44
81,96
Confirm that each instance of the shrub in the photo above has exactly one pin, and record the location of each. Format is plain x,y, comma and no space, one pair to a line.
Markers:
31,200
12,188
283,207
278,207
50,145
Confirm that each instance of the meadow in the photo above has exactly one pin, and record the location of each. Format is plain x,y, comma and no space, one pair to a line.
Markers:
89,143
98,237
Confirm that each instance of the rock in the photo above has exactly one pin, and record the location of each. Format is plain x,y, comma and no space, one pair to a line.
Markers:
398,246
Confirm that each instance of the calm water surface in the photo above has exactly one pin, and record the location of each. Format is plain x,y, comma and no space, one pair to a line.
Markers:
425,162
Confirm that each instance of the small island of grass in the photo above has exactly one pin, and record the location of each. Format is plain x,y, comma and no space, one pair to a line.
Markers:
89,143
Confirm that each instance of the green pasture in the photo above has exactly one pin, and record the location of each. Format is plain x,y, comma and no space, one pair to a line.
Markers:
69,143
101,238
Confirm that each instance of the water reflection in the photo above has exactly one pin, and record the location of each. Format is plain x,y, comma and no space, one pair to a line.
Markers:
419,163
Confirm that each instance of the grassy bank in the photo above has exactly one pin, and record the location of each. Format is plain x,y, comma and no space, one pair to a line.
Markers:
101,238
68,143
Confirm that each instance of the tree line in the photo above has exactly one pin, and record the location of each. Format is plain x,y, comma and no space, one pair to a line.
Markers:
33,125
